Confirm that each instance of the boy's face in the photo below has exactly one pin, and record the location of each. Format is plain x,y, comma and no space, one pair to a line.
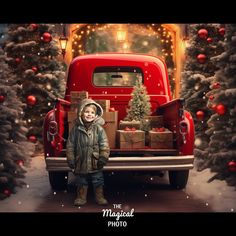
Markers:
89,114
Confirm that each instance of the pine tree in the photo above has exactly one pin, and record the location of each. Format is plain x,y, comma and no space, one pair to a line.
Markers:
32,54
205,42
222,131
139,105
15,150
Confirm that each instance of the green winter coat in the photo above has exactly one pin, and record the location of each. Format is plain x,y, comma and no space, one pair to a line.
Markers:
84,148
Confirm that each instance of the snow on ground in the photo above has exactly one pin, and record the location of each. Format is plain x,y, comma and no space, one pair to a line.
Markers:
32,194
217,195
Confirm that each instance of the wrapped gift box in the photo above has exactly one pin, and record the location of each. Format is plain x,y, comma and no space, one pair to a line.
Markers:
74,107
129,124
105,104
110,126
161,140
77,96
131,139
71,124
150,122
71,116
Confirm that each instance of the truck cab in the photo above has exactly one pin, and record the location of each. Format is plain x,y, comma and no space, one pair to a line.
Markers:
111,76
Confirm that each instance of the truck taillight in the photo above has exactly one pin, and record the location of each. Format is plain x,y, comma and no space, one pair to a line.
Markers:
52,130
183,129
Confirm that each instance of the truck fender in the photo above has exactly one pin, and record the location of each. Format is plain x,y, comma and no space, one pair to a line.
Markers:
188,145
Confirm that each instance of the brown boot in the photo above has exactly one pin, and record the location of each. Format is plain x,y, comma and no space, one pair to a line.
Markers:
81,198
99,196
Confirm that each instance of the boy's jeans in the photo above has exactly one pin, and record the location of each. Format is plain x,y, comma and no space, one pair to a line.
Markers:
96,178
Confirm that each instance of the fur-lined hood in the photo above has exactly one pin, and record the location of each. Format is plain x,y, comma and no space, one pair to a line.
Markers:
87,101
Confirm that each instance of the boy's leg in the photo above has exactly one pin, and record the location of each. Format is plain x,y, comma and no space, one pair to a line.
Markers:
98,183
82,181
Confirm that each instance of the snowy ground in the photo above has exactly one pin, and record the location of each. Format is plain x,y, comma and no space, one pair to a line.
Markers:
31,195
217,195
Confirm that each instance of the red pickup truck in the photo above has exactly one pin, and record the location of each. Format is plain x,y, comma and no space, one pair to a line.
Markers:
84,75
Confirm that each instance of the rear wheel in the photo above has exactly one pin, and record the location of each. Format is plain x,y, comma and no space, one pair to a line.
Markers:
178,179
58,180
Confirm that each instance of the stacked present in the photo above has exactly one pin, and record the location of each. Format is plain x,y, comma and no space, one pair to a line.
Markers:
150,122
110,117
160,138
130,138
71,118
129,124
76,98
111,122
105,104
130,135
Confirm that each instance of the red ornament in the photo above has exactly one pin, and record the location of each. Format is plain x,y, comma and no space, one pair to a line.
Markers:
213,107
53,143
211,97
33,27
161,129
216,85
200,115
127,129
201,58
46,37
31,100
220,109
7,192
18,60
232,166
209,40
222,31
203,33
2,98
20,162
32,139
112,109
34,68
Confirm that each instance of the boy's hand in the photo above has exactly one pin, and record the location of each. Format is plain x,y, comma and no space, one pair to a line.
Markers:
71,165
102,161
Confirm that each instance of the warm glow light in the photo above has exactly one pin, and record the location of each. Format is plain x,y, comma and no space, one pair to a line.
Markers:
125,46
121,35
170,48
63,43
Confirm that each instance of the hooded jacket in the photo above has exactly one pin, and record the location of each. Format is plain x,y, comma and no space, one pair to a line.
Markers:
85,147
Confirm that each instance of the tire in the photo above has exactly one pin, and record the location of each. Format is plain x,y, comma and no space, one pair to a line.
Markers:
58,180
178,179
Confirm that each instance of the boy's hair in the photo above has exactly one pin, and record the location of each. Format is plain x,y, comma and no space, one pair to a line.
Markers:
92,106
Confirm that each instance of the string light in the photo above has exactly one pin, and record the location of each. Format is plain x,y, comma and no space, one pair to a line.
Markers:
86,34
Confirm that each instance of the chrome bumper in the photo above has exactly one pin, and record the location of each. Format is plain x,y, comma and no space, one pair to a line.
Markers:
131,163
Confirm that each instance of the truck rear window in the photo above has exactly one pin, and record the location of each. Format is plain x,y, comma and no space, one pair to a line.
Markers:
111,76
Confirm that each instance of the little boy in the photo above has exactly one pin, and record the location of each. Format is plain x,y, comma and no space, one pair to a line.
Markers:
88,151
